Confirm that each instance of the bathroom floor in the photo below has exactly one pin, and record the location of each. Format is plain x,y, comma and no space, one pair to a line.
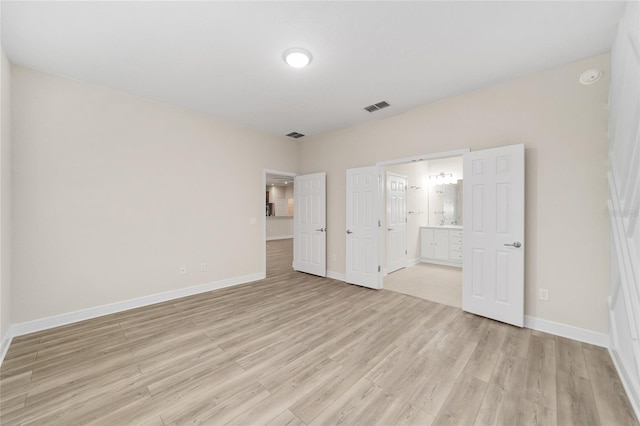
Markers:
441,284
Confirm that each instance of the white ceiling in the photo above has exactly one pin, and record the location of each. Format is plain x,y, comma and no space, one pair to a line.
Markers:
225,58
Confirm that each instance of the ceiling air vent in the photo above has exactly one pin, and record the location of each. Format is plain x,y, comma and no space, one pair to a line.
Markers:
295,135
376,107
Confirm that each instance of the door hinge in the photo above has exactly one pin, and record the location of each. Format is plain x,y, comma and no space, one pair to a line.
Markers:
378,268
378,224
405,252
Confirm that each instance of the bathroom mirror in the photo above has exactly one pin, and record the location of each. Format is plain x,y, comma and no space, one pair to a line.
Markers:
445,204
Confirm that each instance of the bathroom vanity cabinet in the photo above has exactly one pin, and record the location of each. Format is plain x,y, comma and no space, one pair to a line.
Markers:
441,245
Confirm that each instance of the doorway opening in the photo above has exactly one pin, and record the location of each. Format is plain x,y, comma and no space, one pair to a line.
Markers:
422,257
278,217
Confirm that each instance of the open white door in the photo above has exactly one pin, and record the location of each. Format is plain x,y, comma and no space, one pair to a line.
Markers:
310,224
493,241
396,221
363,267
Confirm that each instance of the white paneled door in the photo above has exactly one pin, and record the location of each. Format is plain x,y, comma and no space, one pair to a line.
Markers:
310,224
396,221
493,259
363,267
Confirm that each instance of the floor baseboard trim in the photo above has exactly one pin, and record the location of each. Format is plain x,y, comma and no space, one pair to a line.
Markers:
408,264
280,237
568,331
336,276
5,343
85,314
19,329
413,262
627,382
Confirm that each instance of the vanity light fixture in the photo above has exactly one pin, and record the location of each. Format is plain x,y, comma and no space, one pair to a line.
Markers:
297,57
441,175
443,178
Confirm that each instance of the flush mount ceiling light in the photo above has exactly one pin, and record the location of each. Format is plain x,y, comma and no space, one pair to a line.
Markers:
590,76
297,57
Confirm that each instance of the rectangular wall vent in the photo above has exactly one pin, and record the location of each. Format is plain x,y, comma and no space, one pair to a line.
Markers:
295,135
376,107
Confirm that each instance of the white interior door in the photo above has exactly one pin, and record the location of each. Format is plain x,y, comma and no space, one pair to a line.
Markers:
396,221
310,224
363,266
493,247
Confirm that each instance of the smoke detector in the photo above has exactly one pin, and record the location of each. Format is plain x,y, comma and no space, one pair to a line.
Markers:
590,76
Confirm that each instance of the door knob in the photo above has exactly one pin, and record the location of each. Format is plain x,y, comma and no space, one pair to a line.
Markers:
321,229
390,229
349,232
515,244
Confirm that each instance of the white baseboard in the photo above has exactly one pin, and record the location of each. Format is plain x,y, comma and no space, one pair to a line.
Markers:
441,262
98,311
4,344
413,262
630,381
336,276
409,263
627,382
568,331
280,237
582,335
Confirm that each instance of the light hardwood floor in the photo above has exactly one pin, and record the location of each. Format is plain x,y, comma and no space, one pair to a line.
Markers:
296,349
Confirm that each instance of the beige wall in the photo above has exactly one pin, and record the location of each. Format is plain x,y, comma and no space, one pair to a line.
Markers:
112,193
5,189
564,128
279,227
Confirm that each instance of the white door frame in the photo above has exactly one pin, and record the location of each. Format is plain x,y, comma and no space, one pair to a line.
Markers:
266,172
382,202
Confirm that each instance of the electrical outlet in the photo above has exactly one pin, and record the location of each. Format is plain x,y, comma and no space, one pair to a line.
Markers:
183,269
543,294
203,267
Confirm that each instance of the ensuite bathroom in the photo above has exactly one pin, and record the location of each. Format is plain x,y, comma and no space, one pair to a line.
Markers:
423,258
